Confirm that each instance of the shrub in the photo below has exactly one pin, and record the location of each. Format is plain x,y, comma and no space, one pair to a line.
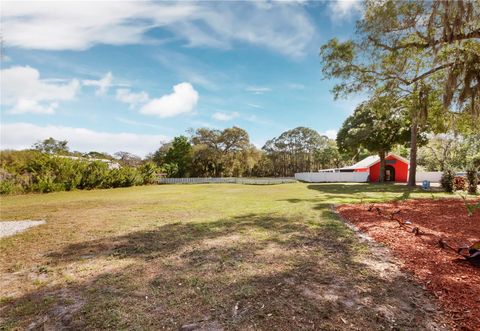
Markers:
130,176
171,169
69,172
149,172
45,183
34,171
459,183
114,179
7,182
7,186
123,177
94,175
52,173
472,178
24,182
447,180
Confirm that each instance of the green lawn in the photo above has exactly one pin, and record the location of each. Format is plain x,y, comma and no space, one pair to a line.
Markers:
228,256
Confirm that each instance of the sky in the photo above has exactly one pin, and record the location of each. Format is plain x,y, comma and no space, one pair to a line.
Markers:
128,76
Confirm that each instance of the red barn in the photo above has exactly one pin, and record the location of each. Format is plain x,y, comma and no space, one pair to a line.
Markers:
396,168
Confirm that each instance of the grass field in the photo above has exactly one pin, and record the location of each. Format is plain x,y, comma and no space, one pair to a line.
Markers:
269,257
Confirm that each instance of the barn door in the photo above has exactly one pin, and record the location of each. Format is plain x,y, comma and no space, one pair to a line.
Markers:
389,173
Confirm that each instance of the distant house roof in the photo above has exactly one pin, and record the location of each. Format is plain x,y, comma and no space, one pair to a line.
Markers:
111,164
371,160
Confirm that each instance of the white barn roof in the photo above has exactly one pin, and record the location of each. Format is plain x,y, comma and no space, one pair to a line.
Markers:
373,159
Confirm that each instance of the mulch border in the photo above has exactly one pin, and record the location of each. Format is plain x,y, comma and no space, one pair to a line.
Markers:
380,248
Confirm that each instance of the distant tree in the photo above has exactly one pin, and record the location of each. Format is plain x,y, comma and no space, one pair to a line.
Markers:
237,154
329,156
222,152
159,155
295,150
374,130
128,159
52,146
179,154
97,155
263,167
450,151
233,140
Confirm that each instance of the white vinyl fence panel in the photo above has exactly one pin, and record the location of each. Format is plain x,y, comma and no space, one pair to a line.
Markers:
233,180
432,176
332,177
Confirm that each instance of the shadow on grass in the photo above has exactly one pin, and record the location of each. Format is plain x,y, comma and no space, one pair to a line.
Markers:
254,271
320,203
331,194
338,193
356,188
170,238
348,189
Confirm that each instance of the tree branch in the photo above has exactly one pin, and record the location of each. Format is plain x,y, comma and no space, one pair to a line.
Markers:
431,71
445,39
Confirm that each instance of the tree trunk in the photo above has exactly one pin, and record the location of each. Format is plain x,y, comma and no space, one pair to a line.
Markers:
381,178
412,172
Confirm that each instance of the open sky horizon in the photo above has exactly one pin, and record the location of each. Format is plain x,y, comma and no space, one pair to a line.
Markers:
127,76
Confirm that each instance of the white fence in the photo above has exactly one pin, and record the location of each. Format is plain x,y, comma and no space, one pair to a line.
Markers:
232,180
357,177
331,177
432,176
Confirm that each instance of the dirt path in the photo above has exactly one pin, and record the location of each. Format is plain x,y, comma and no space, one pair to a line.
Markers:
9,228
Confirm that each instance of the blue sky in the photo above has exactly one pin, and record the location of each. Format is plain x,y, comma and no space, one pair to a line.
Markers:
112,76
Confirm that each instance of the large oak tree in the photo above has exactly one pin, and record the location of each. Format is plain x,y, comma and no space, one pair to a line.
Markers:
373,129
412,50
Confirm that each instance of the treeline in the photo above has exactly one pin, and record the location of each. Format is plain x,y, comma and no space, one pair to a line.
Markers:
229,153
50,166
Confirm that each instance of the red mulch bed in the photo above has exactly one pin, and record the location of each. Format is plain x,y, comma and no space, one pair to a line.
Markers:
453,281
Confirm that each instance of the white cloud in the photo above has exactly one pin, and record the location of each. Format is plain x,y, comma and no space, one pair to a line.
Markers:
285,29
258,89
5,58
24,92
183,100
221,116
294,86
31,106
133,99
254,105
81,25
137,123
344,9
332,134
103,84
24,135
